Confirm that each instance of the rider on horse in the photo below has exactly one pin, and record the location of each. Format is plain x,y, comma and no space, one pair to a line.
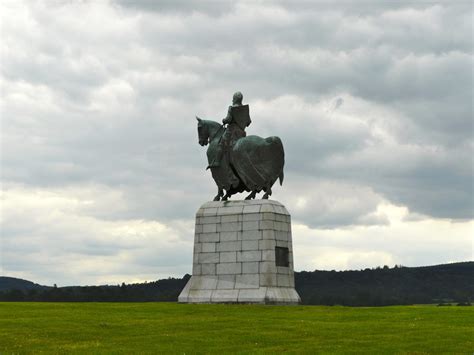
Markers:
237,120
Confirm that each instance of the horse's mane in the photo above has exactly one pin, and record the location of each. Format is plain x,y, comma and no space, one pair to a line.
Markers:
213,124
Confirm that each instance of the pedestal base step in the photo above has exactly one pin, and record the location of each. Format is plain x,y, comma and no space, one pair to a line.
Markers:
261,295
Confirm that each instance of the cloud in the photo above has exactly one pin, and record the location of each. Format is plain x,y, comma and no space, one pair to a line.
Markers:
372,102
329,204
63,242
404,240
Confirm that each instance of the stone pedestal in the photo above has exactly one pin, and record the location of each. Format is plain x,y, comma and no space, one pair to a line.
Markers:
242,254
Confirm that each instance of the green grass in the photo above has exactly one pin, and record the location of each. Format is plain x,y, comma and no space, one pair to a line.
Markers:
176,328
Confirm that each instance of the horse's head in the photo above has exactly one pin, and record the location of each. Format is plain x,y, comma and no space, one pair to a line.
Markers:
203,132
208,131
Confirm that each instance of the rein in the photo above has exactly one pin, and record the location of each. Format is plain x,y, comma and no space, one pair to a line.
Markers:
215,134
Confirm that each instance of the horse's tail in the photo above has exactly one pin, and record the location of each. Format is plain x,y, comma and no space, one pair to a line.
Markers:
281,176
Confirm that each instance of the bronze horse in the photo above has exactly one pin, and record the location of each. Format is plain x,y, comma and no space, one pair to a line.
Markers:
253,164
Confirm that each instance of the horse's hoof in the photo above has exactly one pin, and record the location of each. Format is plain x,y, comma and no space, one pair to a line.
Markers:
217,198
265,197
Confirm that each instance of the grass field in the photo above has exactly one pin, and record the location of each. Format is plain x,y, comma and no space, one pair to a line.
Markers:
175,328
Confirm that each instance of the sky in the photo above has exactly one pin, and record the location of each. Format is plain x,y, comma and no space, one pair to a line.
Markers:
102,173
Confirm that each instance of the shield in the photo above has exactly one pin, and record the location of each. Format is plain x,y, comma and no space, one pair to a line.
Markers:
241,116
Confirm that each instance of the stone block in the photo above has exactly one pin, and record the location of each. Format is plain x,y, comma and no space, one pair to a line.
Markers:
268,279
224,296
250,267
247,281
226,282
292,281
283,270
249,245
283,280
250,255
230,210
199,296
265,224
279,226
209,212
266,244
251,235
197,269
209,228
282,295
208,269
252,217
231,218
279,235
203,283
208,237
268,234
230,227
228,236
229,246
267,208
228,257
252,295
197,247
210,219
229,268
268,267
198,228
250,226
184,295
206,258
280,218
208,247
268,216
282,243
280,210
251,209
268,255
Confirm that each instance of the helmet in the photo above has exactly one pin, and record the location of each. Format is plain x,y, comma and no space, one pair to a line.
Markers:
237,98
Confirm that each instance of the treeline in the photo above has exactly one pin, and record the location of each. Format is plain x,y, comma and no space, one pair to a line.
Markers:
161,290
450,283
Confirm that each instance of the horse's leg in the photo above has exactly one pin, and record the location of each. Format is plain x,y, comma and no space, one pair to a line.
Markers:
268,192
220,193
226,196
252,195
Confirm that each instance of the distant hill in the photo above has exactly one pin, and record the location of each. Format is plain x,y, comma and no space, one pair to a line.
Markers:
370,287
388,286
11,283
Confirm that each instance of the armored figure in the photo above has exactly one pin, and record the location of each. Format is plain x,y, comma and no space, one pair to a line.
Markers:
237,120
239,162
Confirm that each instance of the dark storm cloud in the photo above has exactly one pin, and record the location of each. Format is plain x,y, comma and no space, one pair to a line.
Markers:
100,160
121,111
212,7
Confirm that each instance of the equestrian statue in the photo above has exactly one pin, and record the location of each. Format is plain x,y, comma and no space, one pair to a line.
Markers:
239,162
